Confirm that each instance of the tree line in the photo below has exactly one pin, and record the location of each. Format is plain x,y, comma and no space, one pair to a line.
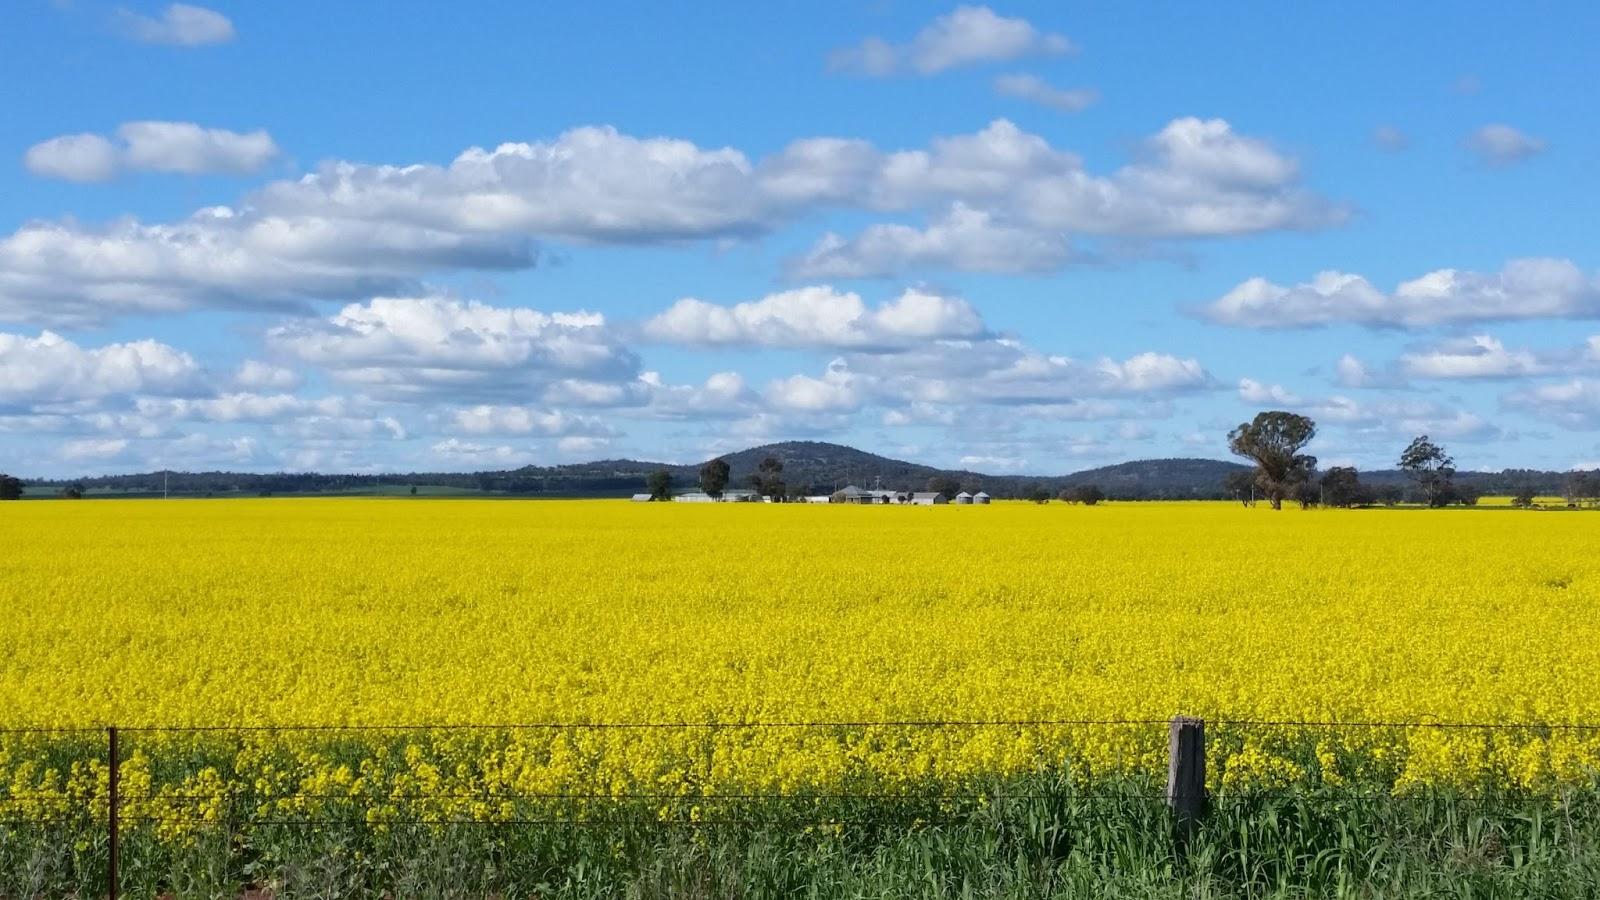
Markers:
1275,442
768,481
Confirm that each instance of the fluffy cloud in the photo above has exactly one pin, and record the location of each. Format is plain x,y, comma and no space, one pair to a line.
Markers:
1149,372
963,238
488,419
1003,200
1389,417
1259,394
254,374
1004,371
1036,90
1351,372
836,391
1196,177
179,147
62,273
1480,356
817,317
52,369
241,407
420,348
187,148
93,449
967,36
179,24
74,157
591,184
1573,404
1501,145
455,451
1522,289
723,395
997,200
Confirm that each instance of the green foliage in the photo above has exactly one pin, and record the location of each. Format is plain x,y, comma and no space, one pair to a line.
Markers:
714,477
943,484
1341,486
1087,494
659,484
10,488
768,479
1273,441
1034,837
1431,468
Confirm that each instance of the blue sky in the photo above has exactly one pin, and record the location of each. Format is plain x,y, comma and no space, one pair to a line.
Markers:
1030,237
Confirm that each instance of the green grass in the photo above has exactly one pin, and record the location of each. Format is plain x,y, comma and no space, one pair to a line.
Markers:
1035,838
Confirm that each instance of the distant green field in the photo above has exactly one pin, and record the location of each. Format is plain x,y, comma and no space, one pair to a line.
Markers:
1506,501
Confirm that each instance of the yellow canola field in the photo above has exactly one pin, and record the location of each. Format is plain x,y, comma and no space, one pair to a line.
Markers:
1051,619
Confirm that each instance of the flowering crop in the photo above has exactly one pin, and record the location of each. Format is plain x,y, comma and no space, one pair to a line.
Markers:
1052,620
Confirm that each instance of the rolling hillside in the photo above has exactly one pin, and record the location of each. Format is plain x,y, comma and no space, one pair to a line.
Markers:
811,466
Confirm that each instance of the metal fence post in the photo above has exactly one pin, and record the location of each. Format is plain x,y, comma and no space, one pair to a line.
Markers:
114,839
1186,774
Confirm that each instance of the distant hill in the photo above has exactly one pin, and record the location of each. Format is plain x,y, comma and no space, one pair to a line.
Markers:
809,466
818,467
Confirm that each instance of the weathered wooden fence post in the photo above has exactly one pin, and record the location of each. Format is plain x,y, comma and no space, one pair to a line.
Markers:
113,801
1186,774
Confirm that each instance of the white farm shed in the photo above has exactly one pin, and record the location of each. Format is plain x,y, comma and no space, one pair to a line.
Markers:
928,498
963,499
641,498
980,497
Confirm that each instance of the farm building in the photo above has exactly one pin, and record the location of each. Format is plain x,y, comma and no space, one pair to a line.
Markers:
963,499
928,498
641,498
852,494
980,497
735,496
877,497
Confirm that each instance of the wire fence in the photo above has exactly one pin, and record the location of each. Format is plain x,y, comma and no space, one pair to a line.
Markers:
237,808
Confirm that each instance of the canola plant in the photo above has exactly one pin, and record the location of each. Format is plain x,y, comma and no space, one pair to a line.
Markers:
329,654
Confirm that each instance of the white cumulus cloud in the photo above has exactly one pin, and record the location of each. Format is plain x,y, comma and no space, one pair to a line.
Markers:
1572,404
422,347
1523,289
818,316
1501,145
490,419
51,369
150,146
1479,356
968,35
1036,90
998,200
180,24
836,391
962,238
74,157
1260,393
